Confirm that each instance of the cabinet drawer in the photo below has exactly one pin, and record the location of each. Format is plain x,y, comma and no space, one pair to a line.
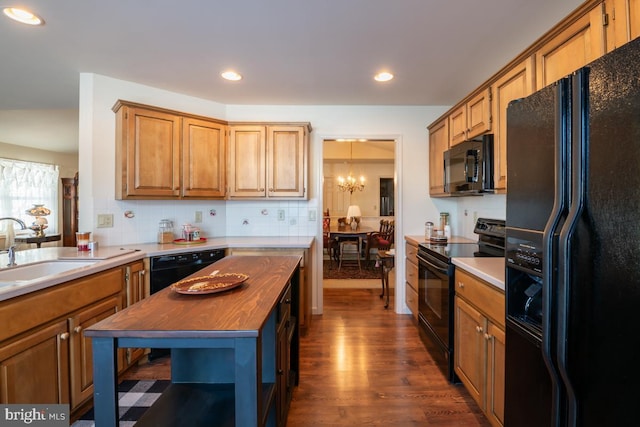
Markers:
411,252
411,274
411,298
284,306
484,296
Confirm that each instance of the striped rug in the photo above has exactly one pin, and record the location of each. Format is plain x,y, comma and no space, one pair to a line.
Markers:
134,398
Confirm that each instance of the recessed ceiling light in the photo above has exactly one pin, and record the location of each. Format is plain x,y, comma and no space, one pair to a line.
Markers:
22,15
383,76
231,75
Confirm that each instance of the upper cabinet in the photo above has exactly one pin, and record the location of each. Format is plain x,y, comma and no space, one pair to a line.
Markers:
204,172
162,154
268,160
518,82
471,119
623,19
575,46
593,29
438,144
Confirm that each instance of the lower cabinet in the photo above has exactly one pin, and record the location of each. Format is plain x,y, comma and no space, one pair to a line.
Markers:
35,368
136,289
284,382
81,355
480,343
411,278
44,355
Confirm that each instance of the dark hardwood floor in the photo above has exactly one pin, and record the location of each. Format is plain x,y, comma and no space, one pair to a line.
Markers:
364,365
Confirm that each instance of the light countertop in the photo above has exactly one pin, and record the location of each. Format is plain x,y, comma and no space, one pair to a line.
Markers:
490,270
103,258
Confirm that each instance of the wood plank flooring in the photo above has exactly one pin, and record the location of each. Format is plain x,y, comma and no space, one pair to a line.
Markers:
364,365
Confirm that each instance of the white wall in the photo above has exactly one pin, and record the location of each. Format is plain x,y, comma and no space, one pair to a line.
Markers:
404,124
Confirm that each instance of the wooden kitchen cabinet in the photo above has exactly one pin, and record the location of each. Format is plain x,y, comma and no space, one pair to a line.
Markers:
623,18
81,354
268,160
165,154
471,119
517,82
411,277
204,172
44,357
34,368
147,152
136,287
438,144
581,42
480,343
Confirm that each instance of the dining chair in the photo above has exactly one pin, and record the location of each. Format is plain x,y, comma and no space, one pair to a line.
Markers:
381,240
331,245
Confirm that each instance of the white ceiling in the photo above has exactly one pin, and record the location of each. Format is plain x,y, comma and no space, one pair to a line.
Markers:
297,52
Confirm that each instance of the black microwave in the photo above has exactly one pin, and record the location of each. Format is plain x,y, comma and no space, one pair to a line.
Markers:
468,167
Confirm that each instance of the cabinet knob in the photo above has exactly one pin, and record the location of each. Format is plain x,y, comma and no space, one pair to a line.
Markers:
479,329
287,301
460,285
487,337
262,189
64,335
143,272
280,372
77,329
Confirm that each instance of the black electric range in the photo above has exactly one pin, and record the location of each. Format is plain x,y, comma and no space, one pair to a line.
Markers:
436,289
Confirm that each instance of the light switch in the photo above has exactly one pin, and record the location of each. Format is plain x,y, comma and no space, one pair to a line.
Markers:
105,221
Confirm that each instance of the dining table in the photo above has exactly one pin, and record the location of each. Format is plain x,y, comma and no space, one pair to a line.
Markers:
347,233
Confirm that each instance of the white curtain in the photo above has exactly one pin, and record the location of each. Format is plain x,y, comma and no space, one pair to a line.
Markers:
23,184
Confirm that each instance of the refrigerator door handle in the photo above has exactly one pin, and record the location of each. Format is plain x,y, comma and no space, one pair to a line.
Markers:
559,211
579,149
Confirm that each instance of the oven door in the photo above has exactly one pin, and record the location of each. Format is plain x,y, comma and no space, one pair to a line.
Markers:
435,298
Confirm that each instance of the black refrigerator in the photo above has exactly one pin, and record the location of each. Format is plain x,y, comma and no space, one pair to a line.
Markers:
573,249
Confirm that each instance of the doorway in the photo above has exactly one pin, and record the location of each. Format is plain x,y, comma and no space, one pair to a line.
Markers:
370,164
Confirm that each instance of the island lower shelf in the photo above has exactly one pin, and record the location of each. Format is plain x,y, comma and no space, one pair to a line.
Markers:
199,404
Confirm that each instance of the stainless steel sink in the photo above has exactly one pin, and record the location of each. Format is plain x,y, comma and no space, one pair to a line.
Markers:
28,272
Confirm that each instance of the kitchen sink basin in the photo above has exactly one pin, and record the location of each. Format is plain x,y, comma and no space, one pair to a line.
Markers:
38,270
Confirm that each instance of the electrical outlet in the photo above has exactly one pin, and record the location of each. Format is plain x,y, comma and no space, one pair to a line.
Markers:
105,221
280,214
312,214
198,217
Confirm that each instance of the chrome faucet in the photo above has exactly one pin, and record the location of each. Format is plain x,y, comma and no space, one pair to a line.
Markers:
12,256
19,221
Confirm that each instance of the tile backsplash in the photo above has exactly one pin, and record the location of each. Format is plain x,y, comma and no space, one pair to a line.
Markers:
137,221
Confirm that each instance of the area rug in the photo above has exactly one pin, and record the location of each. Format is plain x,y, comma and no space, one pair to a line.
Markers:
134,398
349,271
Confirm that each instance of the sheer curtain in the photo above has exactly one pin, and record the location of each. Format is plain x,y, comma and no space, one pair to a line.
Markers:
23,184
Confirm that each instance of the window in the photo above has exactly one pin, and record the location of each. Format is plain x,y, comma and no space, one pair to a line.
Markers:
23,184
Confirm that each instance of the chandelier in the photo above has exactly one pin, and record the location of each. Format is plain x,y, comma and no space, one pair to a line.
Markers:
349,183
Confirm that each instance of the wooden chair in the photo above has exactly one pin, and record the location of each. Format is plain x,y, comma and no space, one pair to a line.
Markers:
379,240
331,245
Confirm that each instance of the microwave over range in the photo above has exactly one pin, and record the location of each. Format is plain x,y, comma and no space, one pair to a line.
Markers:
468,167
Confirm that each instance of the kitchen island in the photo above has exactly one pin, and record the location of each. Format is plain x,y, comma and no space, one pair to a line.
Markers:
234,354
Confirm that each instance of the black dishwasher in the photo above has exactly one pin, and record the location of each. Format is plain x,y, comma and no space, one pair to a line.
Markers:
168,269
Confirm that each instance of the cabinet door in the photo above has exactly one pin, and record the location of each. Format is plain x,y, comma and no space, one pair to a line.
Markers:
148,154
624,22
81,350
135,291
438,144
286,155
35,369
518,82
203,158
247,146
469,350
580,43
479,114
458,125
495,374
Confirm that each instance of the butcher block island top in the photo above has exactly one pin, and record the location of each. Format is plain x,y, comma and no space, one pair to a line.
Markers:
224,347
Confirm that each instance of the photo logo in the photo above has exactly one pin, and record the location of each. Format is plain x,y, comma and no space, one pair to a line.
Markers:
34,415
